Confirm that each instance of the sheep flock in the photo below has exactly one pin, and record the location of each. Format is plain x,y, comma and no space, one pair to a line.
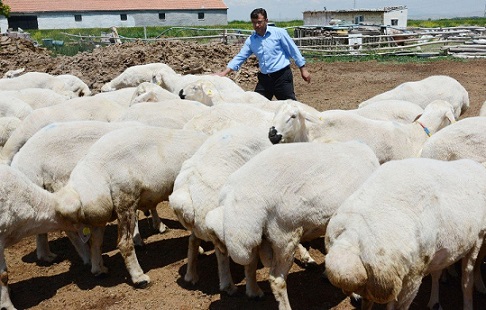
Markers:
251,202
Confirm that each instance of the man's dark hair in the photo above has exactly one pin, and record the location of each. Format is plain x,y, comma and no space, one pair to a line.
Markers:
254,14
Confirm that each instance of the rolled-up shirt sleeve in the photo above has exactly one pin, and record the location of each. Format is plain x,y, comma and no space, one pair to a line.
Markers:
291,49
241,57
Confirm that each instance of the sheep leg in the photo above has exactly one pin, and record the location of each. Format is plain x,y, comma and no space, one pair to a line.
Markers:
126,226
5,302
157,222
226,283
478,280
137,238
192,252
81,247
305,257
252,288
278,275
97,266
410,288
282,260
43,251
434,291
468,263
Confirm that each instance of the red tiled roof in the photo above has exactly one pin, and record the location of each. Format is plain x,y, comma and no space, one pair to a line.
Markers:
18,6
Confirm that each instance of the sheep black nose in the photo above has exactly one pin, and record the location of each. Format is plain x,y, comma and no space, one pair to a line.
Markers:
181,94
274,136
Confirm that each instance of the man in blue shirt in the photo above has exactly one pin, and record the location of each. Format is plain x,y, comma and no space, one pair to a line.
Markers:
273,47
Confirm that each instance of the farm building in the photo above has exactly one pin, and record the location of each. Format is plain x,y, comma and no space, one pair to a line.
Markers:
65,14
395,16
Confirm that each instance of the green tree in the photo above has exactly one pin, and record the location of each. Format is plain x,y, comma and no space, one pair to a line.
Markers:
4,9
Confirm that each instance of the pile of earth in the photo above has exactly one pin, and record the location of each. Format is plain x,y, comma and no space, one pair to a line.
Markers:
104,63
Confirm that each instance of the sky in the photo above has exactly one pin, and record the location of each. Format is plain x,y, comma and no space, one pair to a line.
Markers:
281,10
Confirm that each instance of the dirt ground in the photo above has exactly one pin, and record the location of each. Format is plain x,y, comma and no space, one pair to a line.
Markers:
68,284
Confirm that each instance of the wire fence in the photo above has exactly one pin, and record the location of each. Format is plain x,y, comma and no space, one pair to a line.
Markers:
460,41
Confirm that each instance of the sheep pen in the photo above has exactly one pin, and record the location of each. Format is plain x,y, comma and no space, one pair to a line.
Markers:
335,85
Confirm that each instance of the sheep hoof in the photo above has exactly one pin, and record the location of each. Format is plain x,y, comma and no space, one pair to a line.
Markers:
142,284
356,300
436,307
101,275
163,229
191,279
46,256
312,265
257,297
230,289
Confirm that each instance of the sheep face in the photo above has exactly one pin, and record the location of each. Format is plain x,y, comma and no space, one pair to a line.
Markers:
200,90
289,125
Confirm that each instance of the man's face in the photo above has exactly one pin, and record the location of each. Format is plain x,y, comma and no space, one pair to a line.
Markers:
259,24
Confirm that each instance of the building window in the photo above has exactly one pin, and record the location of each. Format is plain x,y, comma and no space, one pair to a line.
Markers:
394,22
200,15
358,19
123,16
162,16
78,18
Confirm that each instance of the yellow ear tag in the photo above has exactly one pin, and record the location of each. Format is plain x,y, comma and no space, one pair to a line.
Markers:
86,231
209,92
84,234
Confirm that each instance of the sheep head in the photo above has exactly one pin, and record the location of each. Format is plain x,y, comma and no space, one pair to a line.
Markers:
201,90
289,124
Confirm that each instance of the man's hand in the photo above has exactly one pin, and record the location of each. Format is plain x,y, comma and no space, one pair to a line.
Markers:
305,74
224,72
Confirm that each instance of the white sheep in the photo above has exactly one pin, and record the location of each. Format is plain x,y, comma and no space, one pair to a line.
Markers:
482,112
150,92
14,107
197,186
135,75
83,108
388,139
36,97
122,96
282,196
68,85
463,139
391,110
171,113
394,230
75,85
25,210
125,170
176,82
207,92
7,126
427,90
13,73
227,115
48,158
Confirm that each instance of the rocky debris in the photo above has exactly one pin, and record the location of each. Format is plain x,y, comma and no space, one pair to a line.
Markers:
104,63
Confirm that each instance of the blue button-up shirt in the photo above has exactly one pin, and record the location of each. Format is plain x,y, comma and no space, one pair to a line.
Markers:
273,50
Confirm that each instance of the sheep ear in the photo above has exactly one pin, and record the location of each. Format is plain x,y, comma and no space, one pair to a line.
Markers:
206,88
450,116
311,117
417,117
